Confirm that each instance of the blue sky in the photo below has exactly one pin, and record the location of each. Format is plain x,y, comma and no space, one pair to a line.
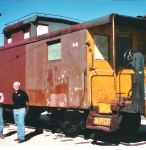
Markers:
79,9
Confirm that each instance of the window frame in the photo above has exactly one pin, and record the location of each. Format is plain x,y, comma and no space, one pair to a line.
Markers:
108,47
9,38
41,25
26,32
121,64
53,42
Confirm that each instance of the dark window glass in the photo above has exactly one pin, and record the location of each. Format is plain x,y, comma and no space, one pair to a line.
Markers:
101,47
122,45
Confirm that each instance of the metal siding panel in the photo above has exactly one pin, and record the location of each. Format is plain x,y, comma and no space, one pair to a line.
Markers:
66,76
57,83
17,36
57,26
12,65
35,61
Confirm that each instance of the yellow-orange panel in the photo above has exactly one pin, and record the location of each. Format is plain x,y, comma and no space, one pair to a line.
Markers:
102,121
124,84
102,89
104,108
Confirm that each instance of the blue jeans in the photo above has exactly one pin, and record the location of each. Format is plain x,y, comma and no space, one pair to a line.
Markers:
1,121
19,119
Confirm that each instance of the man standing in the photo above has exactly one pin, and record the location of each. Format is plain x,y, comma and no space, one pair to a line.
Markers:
1,116
20,100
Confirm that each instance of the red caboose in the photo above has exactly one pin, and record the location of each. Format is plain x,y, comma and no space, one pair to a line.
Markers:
83,74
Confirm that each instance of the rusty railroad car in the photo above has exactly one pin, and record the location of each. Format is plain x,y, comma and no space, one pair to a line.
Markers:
82,74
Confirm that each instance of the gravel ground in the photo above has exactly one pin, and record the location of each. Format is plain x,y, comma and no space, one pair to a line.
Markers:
47,139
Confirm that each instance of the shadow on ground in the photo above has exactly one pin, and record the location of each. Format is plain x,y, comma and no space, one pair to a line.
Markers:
98,137
103,138
32,134
118,137
10,133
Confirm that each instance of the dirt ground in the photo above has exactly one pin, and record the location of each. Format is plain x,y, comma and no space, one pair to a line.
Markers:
50,140
47,138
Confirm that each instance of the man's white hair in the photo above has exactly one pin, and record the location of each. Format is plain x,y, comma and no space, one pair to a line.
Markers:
16,83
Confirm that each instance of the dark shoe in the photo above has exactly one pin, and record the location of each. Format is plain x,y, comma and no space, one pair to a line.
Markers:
20,141
2,136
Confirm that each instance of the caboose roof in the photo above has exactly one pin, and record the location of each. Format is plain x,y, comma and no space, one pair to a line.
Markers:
36,19
120,20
